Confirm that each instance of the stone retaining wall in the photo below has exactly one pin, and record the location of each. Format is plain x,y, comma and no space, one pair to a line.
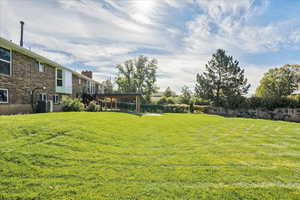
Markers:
285,114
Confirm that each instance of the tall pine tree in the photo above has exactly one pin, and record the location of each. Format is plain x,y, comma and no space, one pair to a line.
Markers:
222,78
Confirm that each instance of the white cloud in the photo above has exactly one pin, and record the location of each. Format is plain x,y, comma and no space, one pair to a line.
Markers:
58,57
226,25
105,33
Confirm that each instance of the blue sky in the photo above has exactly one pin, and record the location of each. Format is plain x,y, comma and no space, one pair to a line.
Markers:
181,34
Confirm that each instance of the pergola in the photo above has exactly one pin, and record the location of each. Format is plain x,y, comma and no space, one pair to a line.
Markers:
117,96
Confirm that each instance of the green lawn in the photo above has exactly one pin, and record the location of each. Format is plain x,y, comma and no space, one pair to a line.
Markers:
122,156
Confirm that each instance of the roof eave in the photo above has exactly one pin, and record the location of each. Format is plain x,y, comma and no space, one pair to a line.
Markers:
38,57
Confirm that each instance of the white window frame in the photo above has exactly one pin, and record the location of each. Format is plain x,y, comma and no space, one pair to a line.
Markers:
88,85
93,87
44,97
62,78
10,62
39,67
7,96
56,99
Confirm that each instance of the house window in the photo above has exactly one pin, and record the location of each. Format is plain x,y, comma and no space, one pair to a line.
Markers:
56,99
43,97
41,67
93,89
5,61
3,96
59,78
88,86
79,81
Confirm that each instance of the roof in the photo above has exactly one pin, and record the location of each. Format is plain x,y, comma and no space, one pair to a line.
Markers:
27,52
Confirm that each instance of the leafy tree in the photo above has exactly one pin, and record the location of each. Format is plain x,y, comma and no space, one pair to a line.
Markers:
138,75
222,78
186,95
278,82
169,93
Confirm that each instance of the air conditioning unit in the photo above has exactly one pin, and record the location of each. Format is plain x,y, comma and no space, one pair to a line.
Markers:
44,106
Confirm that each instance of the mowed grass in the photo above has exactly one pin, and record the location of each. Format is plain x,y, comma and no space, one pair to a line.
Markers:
123,156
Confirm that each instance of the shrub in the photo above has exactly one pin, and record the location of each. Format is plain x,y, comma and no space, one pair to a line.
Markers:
171,100
201,109
231,103
192,109
75,105
234,102
93,107
200,101
162,101
166,100
176,108
269,103
273,103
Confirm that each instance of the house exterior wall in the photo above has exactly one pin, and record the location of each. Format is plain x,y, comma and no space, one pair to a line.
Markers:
67,86
23,79
78,86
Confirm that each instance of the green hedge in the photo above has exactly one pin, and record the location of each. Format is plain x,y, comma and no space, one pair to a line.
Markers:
154,108
231,103
200,109
259,102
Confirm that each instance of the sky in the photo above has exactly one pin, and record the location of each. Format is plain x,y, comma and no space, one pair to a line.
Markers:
182,35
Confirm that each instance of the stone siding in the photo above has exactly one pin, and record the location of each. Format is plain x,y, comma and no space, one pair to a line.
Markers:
24,78
77,88
9,109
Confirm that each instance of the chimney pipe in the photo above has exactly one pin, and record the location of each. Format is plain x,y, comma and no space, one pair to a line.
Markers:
21,41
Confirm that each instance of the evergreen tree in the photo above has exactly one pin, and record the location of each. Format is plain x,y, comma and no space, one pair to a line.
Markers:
168,92
186,95
222,78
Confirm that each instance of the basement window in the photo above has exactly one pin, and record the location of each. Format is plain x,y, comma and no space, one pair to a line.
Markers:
3,95
59,78
5,61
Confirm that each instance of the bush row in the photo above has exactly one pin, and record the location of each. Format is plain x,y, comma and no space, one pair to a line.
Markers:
259,102
154,108
75,105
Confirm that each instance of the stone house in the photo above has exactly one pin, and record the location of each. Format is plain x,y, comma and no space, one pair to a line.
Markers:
26,77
